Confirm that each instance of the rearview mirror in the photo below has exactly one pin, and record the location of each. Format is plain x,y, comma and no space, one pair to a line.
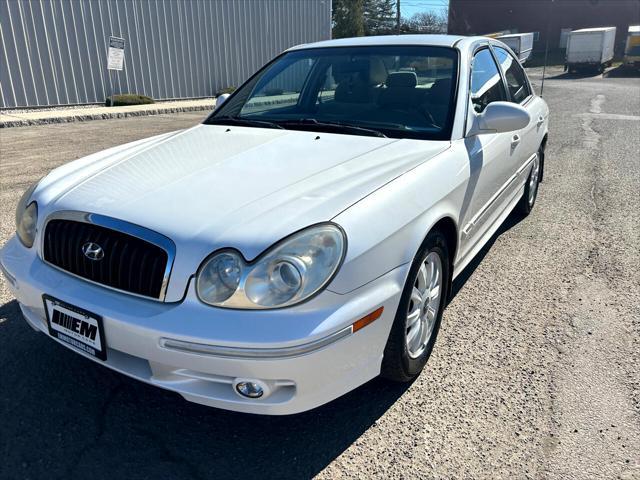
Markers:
220,99
500,117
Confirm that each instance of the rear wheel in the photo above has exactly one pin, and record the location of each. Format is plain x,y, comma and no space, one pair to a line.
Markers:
530,194
419,314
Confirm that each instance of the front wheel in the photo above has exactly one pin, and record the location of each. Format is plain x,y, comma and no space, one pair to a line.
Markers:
530,194
419,314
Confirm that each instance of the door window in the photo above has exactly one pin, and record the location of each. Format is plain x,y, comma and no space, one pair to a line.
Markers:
514,74
486,82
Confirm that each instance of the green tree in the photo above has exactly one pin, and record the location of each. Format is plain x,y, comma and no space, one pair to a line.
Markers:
348,18
379,16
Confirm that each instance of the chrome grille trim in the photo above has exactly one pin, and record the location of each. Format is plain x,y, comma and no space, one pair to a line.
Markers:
122,226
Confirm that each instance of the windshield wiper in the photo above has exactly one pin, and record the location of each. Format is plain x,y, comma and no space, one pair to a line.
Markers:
241,122
337,127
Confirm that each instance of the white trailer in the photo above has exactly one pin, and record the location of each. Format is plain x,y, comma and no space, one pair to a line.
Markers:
590,48
520,43
632,48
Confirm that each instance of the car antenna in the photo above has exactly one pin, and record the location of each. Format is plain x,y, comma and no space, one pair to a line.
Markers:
546,47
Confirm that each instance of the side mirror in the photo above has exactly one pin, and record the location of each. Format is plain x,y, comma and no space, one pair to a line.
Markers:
220,99
500,117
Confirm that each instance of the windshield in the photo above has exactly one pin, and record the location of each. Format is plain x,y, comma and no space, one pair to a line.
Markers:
393,91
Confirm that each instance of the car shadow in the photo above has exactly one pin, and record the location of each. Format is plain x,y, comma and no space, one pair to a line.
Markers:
65,416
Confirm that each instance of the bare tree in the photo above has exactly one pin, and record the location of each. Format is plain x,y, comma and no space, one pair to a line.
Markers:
426,22
354,18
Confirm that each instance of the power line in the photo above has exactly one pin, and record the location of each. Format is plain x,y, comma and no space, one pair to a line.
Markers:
426,4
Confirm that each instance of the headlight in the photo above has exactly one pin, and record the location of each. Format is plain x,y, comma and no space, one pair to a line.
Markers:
288,273
27,217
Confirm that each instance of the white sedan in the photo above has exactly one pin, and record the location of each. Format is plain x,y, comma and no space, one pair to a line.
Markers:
299,242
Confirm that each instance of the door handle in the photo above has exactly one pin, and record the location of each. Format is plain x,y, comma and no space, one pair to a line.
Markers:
515,140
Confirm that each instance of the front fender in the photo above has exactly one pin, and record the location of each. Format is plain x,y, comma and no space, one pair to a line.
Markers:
386,228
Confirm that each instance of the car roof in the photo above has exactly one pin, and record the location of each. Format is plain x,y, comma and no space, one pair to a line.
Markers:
426,40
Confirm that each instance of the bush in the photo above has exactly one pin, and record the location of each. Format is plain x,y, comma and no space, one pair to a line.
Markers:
225,90
128,99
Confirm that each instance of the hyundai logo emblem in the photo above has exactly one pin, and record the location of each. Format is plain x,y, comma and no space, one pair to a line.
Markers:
93,251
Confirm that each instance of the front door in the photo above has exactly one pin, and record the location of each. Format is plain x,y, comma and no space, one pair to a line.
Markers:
489,155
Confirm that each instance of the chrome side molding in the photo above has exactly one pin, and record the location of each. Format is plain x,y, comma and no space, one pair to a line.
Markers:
254,353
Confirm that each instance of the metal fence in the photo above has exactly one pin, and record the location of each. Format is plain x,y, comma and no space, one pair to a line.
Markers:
54,52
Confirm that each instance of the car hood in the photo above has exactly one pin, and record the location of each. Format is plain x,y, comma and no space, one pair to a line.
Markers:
211,187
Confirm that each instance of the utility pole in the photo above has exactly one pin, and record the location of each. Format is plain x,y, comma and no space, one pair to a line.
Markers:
546,46
398,17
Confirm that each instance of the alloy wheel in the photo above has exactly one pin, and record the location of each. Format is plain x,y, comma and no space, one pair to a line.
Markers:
533,180
424,305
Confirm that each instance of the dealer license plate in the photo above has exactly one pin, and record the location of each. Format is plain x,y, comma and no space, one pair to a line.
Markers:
76,327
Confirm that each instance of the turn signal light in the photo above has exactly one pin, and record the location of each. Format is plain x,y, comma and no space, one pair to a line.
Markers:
366,320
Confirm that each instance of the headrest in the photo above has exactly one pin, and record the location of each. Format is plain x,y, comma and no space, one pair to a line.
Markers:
377,71
371,71
402,79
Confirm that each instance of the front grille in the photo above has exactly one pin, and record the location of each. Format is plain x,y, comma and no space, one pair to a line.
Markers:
128,263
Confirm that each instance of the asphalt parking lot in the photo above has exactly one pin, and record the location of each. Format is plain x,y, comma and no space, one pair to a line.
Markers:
535,372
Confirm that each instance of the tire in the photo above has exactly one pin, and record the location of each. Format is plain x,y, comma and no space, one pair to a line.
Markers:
400,362
528,200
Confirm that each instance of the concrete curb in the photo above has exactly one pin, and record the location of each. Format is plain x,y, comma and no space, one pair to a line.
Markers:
82,115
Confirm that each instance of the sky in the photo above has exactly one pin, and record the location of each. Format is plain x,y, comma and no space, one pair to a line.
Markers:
410,7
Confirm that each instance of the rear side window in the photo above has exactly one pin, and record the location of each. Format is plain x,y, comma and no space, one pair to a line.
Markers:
486,82
514,74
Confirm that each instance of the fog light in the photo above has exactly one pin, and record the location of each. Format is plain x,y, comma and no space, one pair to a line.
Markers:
249,389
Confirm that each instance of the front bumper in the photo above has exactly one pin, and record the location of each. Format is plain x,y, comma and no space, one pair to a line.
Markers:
305,356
